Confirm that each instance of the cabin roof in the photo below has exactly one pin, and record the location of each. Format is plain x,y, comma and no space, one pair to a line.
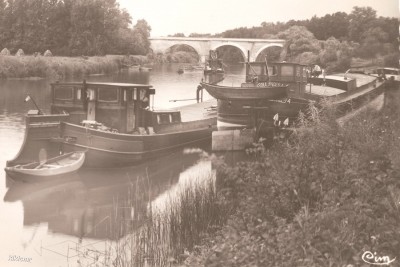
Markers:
123,85
395,69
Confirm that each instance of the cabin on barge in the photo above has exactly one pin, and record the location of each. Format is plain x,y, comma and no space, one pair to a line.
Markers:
113,123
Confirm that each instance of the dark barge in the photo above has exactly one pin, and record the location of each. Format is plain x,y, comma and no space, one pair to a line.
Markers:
113,123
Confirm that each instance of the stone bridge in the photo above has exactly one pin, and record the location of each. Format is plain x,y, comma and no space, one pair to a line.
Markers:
203,45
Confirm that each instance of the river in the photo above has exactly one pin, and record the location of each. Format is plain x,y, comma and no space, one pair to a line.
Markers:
45,222
52,223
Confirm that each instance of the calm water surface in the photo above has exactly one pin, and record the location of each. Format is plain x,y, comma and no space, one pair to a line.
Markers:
48,221
44,221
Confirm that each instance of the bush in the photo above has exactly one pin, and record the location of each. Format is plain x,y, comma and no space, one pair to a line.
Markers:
20,53
5,52
47,53
391,60
321,198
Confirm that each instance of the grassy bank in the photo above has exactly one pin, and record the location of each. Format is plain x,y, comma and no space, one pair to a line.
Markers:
322,198
61,67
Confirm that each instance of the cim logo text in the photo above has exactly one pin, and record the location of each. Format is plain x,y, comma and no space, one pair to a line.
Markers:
373,259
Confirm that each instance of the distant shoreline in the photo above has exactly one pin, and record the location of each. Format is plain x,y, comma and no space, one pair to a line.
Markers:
32,67
41,67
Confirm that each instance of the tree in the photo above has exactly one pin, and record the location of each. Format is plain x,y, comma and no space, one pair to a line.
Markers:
178,35
373,41
298,40
141,34
335,25
200,35
361,19
336,55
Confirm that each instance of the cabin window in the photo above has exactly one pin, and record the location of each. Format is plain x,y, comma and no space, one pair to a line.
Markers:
134,94
304,73
143,95
78,94
175,117
298,71
108,94
64,93
287,70
272,70
124,95
163,118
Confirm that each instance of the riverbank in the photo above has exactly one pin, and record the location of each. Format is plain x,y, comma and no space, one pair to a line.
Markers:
324,198
24,67
31,67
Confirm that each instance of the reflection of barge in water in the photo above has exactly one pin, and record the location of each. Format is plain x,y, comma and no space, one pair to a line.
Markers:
346,92
86,204
114,123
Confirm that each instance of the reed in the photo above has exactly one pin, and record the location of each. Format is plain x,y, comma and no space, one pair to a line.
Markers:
170,233
145,234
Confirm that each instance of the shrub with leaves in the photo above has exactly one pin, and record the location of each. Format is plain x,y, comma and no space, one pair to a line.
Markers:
321,198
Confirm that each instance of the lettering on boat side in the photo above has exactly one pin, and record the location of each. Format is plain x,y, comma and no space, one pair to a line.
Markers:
19,258
373,259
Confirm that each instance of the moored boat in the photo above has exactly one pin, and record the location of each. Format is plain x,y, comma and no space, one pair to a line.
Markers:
51,168
213,65
257,85
345,91
143,68
392,75
114,123
248,91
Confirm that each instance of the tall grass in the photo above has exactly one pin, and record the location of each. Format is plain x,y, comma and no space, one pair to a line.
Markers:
171,232
61,67
144,234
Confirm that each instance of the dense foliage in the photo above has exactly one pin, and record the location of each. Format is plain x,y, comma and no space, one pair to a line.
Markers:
70,27
330,40
323,198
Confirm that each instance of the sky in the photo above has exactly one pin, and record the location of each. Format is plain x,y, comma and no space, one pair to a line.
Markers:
167,17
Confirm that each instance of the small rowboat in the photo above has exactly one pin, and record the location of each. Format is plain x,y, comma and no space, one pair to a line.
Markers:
54,167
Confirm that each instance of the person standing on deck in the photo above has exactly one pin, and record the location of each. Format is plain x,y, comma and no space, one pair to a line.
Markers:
323,77
316,70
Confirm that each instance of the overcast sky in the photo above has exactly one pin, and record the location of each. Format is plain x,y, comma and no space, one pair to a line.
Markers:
214,16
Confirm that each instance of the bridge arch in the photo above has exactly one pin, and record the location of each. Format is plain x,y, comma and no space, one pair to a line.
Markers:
242,50
170,49
265,47
195,47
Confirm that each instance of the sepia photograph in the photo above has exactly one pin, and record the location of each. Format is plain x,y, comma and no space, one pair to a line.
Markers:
225,133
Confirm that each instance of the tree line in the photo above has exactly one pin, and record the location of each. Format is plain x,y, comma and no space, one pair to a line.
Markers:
331,40
71,27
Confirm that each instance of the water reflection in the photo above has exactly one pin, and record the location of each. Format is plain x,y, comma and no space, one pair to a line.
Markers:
84,204
79,209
